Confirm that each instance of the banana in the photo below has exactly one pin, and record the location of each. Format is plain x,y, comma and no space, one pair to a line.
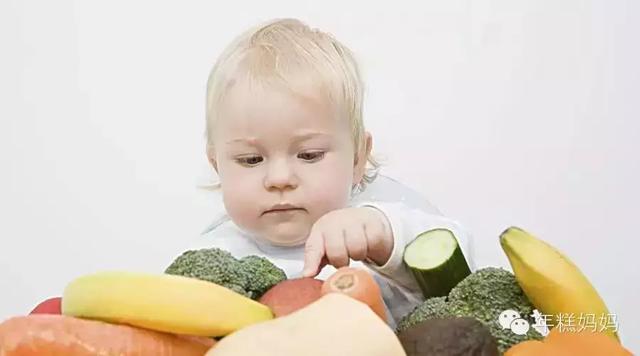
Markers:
161,302
553,283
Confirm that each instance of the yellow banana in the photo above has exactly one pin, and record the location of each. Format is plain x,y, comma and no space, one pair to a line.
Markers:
161,302
554,284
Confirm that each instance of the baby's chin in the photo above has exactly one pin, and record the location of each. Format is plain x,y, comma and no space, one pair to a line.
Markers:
286,235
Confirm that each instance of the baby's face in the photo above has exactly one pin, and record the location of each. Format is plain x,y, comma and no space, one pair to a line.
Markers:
273,148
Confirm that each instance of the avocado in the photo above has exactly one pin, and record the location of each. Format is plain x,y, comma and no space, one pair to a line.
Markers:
454,336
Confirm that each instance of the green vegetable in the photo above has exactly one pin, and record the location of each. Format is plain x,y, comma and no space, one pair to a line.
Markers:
430,309
483,295
260,275
250,276
436,261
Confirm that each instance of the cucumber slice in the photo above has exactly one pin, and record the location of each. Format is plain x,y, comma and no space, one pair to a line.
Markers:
436,261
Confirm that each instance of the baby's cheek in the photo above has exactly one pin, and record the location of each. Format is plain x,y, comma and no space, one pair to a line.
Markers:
328,198
241,206
238,213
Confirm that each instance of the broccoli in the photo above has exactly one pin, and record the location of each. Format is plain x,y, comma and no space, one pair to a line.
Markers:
432,308
250,276
482,295
260,275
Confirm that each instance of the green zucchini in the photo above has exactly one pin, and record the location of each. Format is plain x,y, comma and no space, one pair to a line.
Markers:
436,261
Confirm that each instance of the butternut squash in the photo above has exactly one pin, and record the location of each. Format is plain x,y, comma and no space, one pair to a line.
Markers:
334,325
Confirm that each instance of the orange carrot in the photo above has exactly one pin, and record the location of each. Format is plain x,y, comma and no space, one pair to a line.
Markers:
358,284
45,334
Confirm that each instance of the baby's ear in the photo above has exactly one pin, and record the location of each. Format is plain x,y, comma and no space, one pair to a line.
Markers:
211,156
360,162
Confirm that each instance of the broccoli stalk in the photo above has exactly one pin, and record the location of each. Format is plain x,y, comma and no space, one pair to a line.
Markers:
250,276
482,295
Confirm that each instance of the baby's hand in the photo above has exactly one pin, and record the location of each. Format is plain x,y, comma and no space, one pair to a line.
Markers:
356,233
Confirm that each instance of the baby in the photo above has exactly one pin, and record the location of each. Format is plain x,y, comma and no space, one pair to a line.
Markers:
285,135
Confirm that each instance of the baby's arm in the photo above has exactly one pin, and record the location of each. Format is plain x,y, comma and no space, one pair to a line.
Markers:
376,233
399,289
406,224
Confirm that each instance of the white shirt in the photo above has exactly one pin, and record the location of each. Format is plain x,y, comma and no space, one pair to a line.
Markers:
408,213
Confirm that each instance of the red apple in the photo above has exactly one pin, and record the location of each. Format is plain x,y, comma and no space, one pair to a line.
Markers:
49,306
292,294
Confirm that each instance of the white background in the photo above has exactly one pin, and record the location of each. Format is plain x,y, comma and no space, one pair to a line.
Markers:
501,112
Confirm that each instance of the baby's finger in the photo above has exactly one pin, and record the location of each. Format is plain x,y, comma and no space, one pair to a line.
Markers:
356,242
374,234
313,254
335,248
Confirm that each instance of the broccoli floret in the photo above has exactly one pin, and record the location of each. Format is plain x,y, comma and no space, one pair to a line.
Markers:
250,276
260,275
487,293
432,308
212,265
489,290
482,295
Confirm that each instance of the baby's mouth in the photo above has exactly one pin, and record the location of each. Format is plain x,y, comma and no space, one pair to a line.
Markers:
282,208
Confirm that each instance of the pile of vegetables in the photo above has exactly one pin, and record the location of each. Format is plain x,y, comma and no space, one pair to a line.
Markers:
543,279
207,302
483,295
342,319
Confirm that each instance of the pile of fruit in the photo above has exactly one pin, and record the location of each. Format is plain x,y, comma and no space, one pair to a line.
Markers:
209,303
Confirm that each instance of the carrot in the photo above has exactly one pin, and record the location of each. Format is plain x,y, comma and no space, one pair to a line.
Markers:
358,284
45,334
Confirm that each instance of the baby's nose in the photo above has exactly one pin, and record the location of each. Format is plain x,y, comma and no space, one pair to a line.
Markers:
280,175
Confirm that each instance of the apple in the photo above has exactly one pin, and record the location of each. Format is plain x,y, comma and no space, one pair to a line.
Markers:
292,294
49,306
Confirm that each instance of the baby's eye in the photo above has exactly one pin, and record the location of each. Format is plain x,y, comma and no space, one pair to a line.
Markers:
311,156
250,160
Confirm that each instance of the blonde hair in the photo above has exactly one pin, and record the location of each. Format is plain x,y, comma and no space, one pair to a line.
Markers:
289,54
